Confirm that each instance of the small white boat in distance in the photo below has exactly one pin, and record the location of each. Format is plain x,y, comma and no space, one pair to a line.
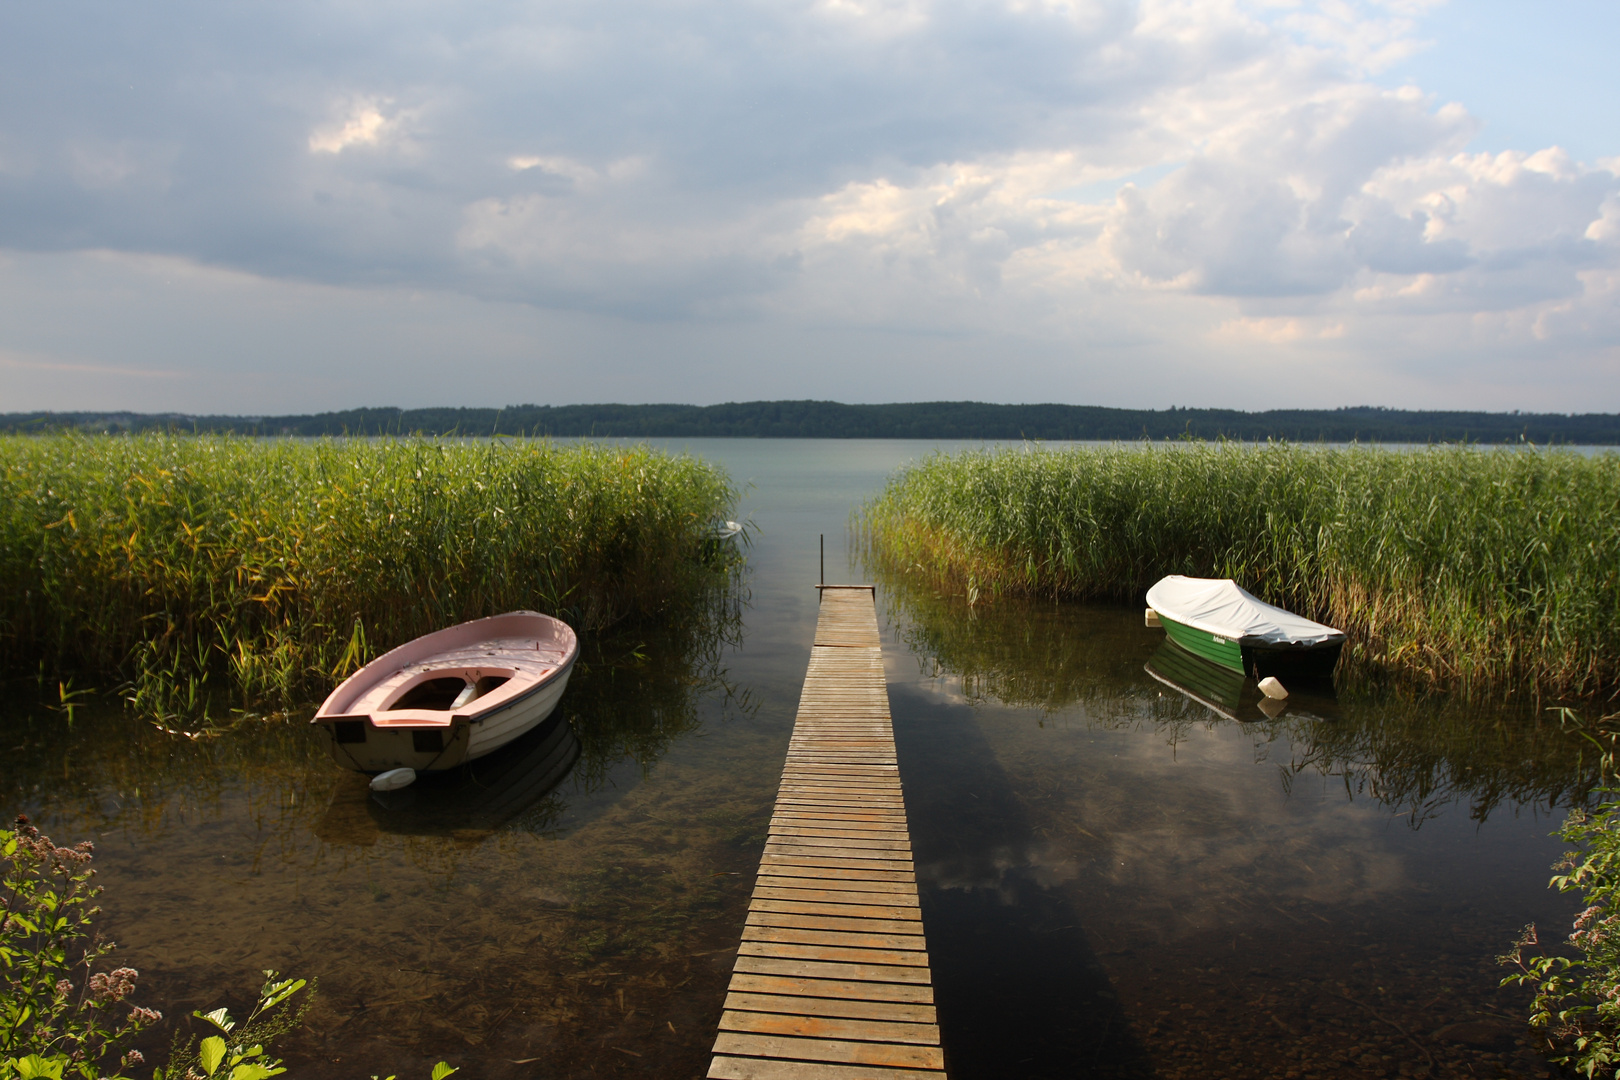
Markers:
450,696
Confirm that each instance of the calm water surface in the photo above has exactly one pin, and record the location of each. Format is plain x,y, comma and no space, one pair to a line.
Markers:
1124,871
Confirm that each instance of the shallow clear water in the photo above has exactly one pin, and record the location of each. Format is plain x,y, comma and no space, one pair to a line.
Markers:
1115,879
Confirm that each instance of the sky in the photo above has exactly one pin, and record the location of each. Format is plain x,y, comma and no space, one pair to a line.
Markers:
277,206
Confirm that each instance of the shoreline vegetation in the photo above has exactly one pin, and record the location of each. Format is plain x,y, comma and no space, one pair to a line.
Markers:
903,420
192,567
1452,567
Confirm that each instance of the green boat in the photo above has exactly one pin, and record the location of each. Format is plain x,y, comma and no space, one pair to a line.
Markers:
1216,619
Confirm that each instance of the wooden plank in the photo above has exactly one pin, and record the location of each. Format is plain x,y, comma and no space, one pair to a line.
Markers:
788,1005
843,814
790,847
860,885
862,823
837,861
908,927
790,935
820,848
859,805
806,838
833,969
840,989
835,896
833,954
736,1068
829,1027
876,795
893,1055
831,979
841,873
871,910
865,836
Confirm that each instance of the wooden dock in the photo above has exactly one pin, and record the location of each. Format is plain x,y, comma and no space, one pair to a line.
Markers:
832,979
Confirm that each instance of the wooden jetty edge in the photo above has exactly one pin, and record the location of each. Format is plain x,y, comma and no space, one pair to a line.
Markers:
832,979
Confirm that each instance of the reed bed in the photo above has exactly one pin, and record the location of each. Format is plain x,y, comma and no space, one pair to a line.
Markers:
187,566
1464,567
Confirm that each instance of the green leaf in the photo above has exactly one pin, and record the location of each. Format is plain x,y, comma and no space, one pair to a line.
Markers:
220,1018
211,1053
34,1067
256,1070
442,1070
275,995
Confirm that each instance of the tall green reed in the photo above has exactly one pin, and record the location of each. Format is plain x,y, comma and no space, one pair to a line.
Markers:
1458,566
192,565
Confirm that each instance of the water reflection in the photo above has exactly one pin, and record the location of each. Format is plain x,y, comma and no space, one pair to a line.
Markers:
467,804
1220,892
1413,752
554,895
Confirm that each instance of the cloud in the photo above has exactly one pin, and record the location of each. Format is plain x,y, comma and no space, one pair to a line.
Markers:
55,366
852,167
362,124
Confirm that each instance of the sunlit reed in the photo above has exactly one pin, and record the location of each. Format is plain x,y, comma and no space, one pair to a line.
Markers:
1455,565
188,566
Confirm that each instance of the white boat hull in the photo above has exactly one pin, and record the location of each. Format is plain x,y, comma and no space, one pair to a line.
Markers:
397,712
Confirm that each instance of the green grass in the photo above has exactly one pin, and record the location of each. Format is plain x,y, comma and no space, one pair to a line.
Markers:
189,566
1456,566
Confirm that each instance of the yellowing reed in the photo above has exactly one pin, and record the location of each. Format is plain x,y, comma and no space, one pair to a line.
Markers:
1481,567
186,565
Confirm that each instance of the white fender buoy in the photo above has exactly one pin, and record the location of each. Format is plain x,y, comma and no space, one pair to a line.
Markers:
1151,617
393,780
1273,689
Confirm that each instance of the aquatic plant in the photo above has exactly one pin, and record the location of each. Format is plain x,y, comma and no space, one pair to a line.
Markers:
1577,998
1456,566
195,565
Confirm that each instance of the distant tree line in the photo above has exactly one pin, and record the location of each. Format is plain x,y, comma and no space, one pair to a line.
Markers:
834,420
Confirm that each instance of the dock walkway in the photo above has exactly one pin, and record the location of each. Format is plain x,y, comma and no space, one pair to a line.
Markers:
832,979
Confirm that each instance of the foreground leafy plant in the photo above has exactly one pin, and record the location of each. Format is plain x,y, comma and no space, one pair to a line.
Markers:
57,1012
238,1052
50,1032
1577,998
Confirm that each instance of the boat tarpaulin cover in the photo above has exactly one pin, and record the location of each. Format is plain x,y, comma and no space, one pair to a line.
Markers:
1218,606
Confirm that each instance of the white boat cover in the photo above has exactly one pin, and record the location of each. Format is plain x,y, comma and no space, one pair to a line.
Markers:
1218,606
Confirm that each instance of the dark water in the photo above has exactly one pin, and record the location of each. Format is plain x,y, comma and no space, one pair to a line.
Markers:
1117,879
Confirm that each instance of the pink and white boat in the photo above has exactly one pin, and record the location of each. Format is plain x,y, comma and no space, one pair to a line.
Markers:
450,696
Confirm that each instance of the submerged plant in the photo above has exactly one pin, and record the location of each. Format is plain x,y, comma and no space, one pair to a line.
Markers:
1577,998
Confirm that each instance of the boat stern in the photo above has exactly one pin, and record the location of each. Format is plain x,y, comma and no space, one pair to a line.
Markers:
360,743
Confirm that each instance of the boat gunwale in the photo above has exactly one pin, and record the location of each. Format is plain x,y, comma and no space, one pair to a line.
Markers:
430,719
1334,635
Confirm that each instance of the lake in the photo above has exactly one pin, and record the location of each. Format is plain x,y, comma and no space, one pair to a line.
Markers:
1126,868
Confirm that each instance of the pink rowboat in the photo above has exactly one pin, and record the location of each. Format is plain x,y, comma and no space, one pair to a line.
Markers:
450,696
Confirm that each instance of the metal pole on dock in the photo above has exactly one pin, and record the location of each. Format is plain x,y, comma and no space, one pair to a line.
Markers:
824,558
